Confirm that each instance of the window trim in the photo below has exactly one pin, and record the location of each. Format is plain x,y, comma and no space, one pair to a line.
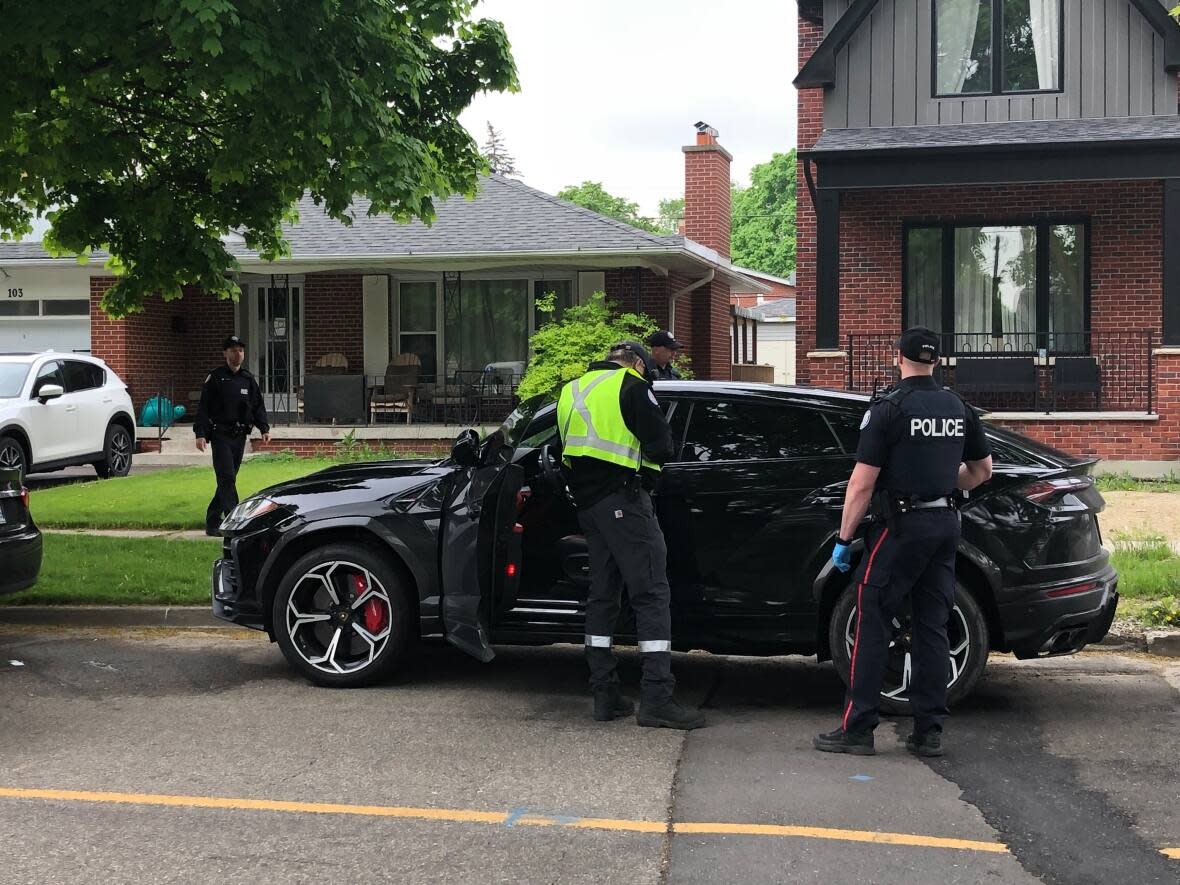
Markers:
997,84
1042,225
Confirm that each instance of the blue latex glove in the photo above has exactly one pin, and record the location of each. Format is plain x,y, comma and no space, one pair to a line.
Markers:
842,556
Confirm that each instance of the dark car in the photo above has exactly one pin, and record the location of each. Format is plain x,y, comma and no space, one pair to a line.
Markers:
20,539
347,567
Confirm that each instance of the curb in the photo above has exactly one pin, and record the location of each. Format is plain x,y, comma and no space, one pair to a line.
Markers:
174,616
1160,643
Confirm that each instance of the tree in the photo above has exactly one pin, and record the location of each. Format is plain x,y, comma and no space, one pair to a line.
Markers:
562,349
671,214
763,235
152,128
592,195
499,160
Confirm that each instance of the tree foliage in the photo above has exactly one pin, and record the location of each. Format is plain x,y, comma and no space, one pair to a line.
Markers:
152,128
670,215
592,195
763,235
494,151
562,349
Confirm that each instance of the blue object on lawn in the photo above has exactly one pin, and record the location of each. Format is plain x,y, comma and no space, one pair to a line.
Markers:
149,415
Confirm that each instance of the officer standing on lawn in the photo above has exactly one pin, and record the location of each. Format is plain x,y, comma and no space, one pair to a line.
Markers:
663,348
614,438
918,443
231,404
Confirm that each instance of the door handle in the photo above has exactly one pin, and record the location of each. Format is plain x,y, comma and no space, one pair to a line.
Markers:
71,408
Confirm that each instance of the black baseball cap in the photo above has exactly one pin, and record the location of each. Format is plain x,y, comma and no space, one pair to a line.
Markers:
636,349
233,341
663,338
919,344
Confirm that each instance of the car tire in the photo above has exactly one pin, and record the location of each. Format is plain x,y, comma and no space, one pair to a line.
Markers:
13,455
380,632
968,661
117,452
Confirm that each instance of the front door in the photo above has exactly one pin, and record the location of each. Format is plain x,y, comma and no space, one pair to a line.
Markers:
276,339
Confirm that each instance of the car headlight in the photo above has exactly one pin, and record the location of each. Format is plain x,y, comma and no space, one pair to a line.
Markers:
248,510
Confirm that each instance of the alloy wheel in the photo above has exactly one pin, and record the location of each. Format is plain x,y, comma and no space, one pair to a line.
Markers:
339,617
12,457
120,453
899,661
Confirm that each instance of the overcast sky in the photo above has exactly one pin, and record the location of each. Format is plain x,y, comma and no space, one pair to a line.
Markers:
610,89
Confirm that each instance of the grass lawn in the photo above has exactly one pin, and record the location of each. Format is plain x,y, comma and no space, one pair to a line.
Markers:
160,499
1149,579
82,570
1124,482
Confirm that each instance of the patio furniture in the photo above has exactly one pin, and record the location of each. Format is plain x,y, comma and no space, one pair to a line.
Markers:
1077,374
330,364
396,397
996,375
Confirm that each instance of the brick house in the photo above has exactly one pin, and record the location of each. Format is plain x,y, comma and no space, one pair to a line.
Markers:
458,294
1009,175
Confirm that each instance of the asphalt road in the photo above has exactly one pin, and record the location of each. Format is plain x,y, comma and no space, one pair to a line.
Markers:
196,757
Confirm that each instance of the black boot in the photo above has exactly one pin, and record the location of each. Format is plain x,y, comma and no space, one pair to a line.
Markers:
840,741
669,715
928,743
609,704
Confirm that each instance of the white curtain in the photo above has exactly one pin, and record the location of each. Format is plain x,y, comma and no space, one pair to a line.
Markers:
957,21
1045,17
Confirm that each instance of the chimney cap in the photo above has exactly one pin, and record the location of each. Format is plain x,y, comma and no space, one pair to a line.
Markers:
705,129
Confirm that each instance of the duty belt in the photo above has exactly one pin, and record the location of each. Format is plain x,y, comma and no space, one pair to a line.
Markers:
935,504
233,429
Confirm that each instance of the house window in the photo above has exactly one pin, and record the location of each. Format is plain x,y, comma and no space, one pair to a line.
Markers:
999,287
417,324
487,323
563,297
993,47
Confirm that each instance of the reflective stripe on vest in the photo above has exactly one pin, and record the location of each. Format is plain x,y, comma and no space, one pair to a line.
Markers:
588,441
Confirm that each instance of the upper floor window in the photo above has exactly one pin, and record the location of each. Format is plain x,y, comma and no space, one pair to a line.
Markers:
993,47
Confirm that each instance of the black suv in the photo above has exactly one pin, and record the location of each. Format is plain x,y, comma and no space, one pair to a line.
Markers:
346,567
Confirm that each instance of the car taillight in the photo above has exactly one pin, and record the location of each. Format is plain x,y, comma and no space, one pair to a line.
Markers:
1074,589
1045,490
24,497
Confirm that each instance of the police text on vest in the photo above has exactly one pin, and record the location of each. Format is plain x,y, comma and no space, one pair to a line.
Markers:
934,427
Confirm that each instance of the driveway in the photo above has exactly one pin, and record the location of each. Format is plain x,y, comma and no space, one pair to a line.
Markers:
180,756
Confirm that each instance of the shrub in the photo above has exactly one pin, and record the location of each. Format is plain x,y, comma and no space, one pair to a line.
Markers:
563,348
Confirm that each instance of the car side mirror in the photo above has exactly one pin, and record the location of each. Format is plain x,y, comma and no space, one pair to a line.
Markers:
50,391
465,451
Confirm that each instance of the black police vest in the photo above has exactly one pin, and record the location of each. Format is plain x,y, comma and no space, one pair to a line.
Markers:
927,434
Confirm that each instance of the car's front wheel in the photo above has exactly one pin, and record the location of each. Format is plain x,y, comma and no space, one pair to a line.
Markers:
116,453
342,616
969,643
12,455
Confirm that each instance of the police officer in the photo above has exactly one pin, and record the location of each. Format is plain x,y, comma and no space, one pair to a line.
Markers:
918,443
231,403
663,349
614,438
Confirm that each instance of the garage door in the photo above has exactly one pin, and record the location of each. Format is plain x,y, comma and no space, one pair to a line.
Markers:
63,335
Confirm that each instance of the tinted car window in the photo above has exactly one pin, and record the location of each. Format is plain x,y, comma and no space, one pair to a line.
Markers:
847,428
50,373
82,376
725,430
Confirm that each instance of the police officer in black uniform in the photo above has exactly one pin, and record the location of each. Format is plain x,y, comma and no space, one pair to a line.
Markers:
664,348
918,443
231,404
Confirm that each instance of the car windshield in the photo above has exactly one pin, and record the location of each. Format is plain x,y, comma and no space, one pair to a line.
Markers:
12,379
512,431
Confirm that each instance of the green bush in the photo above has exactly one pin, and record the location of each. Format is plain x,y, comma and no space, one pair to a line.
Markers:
563,348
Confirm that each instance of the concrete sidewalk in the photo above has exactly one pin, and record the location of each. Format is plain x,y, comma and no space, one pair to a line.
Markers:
170,534
174,616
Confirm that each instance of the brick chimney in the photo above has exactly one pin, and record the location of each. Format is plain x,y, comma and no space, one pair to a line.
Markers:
707,191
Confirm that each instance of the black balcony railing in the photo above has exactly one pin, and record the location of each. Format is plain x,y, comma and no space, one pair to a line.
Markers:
1058,372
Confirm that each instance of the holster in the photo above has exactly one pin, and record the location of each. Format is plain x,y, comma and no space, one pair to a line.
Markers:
884,508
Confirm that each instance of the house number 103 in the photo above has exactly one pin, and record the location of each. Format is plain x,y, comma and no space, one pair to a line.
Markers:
16,293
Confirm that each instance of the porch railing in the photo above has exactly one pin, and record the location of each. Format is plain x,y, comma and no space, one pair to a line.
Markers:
1103,370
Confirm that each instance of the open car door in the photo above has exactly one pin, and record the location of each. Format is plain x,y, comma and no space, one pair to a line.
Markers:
479,550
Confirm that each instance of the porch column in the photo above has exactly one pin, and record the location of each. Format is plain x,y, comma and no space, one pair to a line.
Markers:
1171,235
827,276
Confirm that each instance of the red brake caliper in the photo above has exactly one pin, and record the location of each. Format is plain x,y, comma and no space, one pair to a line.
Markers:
373,611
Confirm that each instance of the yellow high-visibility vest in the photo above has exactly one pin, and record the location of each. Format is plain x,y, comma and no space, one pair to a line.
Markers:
590,420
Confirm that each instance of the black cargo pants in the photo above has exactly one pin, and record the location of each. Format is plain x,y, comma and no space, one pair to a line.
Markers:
228,448
627,549
915,559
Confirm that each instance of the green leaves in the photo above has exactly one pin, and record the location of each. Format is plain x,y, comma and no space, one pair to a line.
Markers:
763,235
164,124
593,196
562,350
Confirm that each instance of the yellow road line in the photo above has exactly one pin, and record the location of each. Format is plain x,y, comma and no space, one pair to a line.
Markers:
1173,853
504,818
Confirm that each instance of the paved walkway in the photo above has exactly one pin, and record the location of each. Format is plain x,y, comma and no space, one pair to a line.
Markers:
170,534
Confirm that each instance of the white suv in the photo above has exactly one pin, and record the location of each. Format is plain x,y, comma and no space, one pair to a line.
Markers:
58,410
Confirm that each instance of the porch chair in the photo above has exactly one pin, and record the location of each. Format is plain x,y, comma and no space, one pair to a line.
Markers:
331,364
996,375
396,397
1077,374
